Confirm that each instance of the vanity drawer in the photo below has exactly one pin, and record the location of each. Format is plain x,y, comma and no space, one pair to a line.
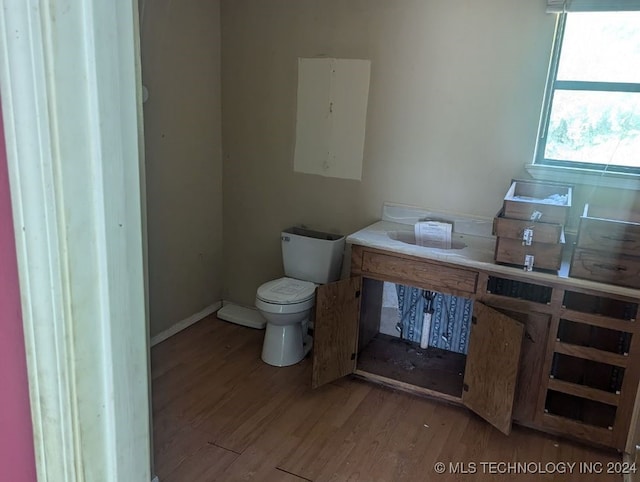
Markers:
609,230
538,201
421,274
615,269
547,233
544,256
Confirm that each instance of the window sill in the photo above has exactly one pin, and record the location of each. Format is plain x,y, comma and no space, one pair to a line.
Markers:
584,176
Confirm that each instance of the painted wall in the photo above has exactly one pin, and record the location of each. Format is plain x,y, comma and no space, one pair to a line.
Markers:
180,49
455,96
17,459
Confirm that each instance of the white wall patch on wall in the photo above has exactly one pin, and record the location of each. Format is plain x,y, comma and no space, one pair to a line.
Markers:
331,116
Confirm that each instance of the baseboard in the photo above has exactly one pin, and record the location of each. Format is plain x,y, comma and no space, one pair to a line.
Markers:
155,479
187,322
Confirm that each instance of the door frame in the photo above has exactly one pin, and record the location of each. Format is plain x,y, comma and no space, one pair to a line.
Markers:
71,100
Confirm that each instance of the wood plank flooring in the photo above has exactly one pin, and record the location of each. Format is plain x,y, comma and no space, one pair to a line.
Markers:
221,414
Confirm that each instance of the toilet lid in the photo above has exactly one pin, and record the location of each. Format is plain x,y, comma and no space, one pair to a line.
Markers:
286,291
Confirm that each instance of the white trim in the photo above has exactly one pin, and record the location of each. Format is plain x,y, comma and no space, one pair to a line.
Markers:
630,461
71,110
584,176
559,6
45,346
186,323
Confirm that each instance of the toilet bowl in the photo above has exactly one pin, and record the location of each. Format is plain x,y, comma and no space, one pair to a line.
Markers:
286,304
310,258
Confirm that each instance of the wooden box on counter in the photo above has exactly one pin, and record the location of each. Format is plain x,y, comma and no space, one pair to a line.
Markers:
530,226
538,201
608,247
548,233
545,255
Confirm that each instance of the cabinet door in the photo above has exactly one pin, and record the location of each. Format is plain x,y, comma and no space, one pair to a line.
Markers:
335,330
534,351
491,372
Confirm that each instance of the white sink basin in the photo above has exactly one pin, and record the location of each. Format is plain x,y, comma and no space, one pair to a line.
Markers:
409,237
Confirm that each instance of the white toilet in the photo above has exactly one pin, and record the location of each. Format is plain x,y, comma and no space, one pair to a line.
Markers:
310,258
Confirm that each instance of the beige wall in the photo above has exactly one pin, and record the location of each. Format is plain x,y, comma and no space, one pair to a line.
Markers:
180,43
455,95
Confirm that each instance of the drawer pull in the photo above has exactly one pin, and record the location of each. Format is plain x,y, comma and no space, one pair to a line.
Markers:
527,236
610,267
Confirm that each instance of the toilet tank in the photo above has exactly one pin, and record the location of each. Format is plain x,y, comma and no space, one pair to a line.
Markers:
312,255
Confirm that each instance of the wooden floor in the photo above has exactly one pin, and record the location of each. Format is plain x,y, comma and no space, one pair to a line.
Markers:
221,414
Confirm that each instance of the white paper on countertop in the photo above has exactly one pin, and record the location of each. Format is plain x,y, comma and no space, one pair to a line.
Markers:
433,234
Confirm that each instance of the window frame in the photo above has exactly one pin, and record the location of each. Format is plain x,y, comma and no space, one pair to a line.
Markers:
553,84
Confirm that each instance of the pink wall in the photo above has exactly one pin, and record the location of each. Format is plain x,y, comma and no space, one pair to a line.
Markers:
17,461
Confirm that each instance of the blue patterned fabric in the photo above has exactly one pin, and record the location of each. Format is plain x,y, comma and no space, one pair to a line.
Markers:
450,320
450,323
411,311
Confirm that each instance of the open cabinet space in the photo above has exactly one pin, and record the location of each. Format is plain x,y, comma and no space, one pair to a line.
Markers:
537,350
482,377
433,369
396,329
590,372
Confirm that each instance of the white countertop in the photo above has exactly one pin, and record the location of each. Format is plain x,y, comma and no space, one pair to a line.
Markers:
478,253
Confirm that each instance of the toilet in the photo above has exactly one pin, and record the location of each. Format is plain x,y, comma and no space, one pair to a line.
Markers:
310,258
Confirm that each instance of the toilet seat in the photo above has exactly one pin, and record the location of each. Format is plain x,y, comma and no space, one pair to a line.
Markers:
286,291
285,295
280,309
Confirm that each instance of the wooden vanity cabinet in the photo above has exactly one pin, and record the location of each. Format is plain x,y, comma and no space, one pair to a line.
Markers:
591,387
544,353
495,340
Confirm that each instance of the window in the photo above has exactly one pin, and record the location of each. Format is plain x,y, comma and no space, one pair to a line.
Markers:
591,116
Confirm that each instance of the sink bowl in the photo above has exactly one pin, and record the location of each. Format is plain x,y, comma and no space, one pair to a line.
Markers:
409,237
